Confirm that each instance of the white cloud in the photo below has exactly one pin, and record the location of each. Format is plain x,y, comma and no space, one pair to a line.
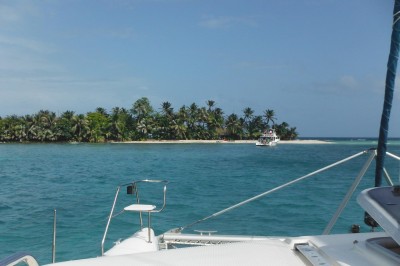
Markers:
16,11
343,84
348,82
23,43
223,22
257,65
9,14
21,57
90,33
28,95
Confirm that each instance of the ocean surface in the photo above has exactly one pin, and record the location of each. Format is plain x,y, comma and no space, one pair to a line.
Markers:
80,181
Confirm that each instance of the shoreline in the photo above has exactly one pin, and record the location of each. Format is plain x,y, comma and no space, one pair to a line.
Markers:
308,141
219,142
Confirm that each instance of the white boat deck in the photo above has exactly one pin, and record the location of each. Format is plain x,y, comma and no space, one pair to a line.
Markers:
345,249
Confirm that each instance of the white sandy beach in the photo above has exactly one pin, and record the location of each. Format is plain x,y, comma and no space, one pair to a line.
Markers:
224,142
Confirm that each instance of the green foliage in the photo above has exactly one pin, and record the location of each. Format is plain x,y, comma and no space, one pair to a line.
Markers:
141,122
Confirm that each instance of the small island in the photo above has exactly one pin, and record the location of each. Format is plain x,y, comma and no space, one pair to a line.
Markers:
142,123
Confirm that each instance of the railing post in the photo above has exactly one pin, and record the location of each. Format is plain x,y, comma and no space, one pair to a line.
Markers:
108,222
54,236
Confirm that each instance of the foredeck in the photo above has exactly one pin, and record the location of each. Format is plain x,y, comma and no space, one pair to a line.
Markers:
346,249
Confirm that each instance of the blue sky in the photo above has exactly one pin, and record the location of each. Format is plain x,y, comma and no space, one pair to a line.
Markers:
319,64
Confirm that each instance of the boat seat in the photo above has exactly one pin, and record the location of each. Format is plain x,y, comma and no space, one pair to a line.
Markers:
140,208
133,189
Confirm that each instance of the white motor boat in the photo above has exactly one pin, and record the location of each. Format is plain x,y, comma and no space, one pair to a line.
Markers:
268,139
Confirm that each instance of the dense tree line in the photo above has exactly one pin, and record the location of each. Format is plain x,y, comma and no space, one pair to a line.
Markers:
141,122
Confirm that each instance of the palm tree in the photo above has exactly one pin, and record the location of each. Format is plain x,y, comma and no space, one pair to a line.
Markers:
256,127
292,134
120,124
219,122
182,114
141,122
29,127
68,115
180,126
166,121
180,129
167,109
215,122
10,128
143,118
192,113
282,130
248,115
144,128
142,108
63,127
270,116
98,125
233,126
44,122
79,127
101,111
210,104
202,123
19,132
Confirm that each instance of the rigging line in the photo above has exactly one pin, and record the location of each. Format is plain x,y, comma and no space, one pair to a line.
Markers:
397,158
393,156
397,19
349,193
115,215
272,190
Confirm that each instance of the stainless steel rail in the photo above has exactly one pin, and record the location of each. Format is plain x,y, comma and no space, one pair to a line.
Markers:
54,237
346,199
135,190
18,258
272,190
109,220
341,207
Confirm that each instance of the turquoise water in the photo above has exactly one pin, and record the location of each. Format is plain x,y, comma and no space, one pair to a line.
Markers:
80,181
